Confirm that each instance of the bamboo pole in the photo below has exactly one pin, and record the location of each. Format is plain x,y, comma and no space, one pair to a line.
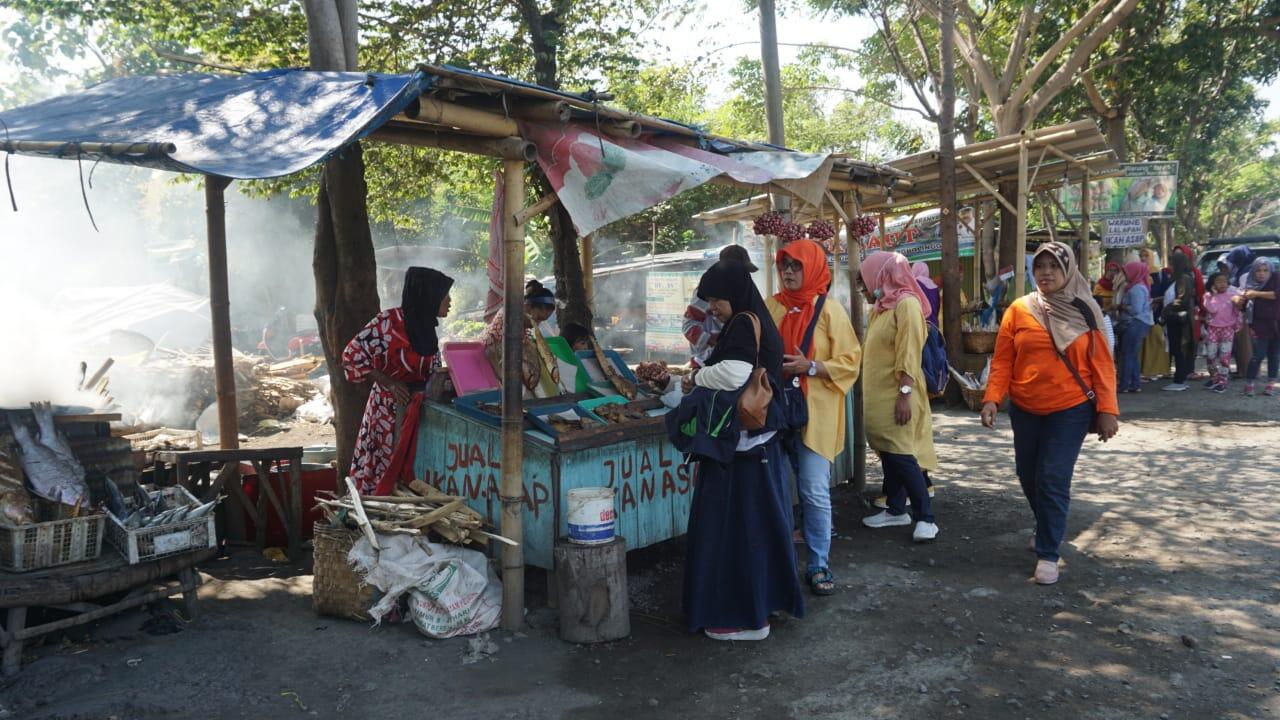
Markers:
625,129
853,245
556,111
588,279
508,148
224,377
1084,231
60,147
512,490
1020,250
437,112
543,204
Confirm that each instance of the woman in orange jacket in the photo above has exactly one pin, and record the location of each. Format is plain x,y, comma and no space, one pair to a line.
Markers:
1053,362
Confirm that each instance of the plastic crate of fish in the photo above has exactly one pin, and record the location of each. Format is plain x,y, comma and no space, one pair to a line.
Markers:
48,544
175,523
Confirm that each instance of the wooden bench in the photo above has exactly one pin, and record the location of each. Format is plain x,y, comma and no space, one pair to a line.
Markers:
73,588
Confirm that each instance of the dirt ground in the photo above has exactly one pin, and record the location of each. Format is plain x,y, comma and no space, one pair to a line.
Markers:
1169,607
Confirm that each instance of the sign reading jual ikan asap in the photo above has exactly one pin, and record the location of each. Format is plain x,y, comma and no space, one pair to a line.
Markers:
1145,190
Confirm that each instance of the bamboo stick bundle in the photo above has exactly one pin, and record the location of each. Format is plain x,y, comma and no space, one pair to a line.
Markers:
415,510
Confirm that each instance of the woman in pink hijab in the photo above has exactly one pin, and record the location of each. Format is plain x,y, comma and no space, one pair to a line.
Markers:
920,271
896,414
1133,323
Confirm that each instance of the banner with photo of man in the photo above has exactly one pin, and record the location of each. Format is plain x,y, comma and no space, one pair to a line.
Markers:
1147,189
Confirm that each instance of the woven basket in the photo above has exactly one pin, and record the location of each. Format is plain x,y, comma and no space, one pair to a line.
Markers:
973,398
978,343
336,589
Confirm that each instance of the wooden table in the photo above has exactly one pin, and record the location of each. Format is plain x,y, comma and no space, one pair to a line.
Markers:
74,587
193,470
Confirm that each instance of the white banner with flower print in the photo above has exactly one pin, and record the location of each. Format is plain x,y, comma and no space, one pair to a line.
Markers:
602,179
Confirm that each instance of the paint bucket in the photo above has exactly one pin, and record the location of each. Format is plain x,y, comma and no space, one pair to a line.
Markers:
591,515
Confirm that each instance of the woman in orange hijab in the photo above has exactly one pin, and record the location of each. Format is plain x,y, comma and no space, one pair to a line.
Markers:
822,357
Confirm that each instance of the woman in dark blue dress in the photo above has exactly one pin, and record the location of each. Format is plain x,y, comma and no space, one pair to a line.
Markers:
740,564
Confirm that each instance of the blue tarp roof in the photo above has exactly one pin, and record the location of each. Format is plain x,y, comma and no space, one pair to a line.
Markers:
254,125
251,125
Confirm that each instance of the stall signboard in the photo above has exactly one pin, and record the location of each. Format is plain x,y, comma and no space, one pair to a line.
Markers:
666,297
1125,232
921,240
1146,189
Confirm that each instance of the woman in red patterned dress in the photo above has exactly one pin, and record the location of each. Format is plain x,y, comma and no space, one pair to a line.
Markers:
397,347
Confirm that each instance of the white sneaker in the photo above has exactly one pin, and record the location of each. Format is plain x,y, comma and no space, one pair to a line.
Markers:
924,532
1175,387
717,634
884,519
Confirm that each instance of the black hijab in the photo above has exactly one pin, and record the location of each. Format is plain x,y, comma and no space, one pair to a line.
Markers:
424,290
731,280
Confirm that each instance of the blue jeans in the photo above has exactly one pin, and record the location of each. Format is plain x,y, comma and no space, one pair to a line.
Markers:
1131,337
1045,449
814,485
1269,348
902,478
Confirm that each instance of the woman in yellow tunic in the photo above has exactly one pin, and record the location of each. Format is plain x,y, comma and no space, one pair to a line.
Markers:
898,421
824,369
1155,355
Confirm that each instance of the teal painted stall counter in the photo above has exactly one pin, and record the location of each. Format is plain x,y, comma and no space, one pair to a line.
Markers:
462,456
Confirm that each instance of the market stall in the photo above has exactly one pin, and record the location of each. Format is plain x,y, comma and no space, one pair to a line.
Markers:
602,164
594,439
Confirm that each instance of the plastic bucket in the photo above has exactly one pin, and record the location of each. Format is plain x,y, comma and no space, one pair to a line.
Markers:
591,515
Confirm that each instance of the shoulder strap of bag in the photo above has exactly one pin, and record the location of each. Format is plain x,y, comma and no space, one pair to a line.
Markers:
813,325
755,326
1089,394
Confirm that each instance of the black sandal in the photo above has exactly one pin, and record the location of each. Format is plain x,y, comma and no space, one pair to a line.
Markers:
821,581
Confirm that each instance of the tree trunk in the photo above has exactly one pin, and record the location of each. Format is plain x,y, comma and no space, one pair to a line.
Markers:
1114,128
1007,251
343,262
545,30
571,288
346,286
952,275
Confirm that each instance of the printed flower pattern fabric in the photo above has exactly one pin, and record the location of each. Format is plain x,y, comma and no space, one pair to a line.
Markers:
382,345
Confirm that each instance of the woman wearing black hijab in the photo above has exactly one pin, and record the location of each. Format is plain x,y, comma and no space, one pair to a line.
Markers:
740,565
398,347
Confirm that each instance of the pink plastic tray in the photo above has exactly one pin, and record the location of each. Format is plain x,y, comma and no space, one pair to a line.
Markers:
469,368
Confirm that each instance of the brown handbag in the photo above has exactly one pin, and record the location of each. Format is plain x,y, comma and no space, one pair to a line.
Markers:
753,403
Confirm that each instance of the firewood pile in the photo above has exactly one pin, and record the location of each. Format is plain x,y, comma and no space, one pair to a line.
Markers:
416,509
181,385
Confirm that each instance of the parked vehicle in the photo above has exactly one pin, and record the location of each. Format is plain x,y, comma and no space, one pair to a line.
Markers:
1267,246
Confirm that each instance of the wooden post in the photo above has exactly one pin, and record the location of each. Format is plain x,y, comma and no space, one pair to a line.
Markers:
772,72
1084,224
978,224
779,202
1166,234
952,275
1020,237
591,581
588,279
854,246
512,490
770,277
224,376
15,622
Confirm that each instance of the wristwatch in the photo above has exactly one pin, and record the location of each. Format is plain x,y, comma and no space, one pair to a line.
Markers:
904,390
813,368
